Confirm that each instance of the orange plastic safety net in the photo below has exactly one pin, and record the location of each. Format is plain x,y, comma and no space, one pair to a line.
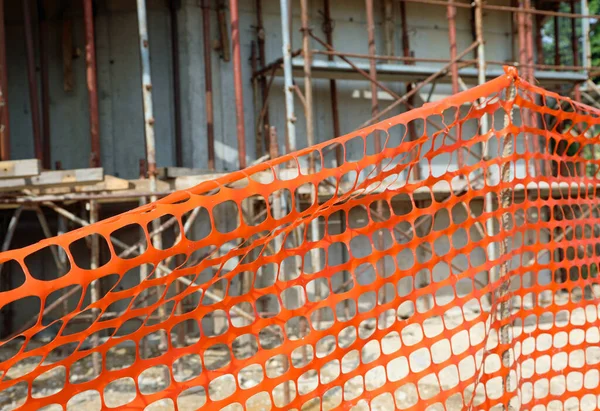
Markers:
448,262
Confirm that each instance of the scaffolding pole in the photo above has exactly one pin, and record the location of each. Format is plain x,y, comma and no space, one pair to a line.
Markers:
372,66
208,93
335,115
288,80
95,285
149,126
308,89
452,39
529,43
147,94
237,82
585,38
481,67
92,83
262,60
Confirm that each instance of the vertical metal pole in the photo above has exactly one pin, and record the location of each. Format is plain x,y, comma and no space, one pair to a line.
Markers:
43,41
173,9
529,115
372,65
328,29
521,34
335,115
4,113
575,48
149,125
237,80
481,67
290,117
486,150
415,173
308,108
31,76
92,83
147,95
260,35
259,139
278,213
585,36
208,95
529,42
374,112
143,275
504,199
452,38
95,286
148,117
308,91
574,42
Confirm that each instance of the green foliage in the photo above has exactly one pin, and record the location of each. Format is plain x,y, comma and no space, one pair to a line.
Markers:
594,6
565,29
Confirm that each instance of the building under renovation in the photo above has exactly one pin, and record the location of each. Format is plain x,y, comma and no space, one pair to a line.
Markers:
108,104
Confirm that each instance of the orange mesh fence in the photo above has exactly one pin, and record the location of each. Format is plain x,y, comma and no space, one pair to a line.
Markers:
449,262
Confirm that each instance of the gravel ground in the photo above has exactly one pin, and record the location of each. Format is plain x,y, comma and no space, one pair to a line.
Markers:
121,392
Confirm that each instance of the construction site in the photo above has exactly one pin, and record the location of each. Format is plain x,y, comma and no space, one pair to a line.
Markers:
299,204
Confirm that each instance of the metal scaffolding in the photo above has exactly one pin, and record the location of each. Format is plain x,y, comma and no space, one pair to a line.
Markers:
406,68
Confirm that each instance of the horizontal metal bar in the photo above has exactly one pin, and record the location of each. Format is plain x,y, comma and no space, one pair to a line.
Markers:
382,57
508,9
434,60
415,73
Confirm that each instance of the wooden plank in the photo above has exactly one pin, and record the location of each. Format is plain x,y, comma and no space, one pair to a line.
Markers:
20,168
109,184
185,182
174,172
54,178
143,185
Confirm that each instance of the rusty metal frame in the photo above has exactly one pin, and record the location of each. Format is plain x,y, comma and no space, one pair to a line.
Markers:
237,81
208,93
92,83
